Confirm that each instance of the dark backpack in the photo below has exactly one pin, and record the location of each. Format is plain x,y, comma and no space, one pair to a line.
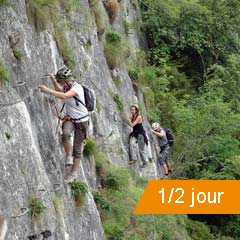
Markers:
90,99
170,137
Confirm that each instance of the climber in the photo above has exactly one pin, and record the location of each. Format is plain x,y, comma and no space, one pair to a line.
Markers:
76,116
165,147
138,138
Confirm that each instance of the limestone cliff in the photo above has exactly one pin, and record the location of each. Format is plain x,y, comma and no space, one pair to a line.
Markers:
31,155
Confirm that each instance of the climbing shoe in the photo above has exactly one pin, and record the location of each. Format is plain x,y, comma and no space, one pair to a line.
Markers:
144,165
69,160
132,161
70,177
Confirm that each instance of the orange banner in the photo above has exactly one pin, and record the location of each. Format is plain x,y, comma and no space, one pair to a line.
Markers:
190,197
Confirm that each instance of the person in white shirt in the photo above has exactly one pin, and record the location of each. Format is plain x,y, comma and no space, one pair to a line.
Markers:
76,116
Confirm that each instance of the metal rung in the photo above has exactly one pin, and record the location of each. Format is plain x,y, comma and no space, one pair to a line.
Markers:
24,212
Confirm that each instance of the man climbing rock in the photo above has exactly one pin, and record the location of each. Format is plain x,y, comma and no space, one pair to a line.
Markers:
76,116
165,146
138,138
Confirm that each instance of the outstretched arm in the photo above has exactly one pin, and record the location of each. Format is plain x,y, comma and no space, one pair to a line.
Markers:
159,134
56,85
58,94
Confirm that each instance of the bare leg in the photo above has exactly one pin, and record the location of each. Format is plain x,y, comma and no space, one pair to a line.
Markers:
67,148
75,165
165,168
67,130
169,167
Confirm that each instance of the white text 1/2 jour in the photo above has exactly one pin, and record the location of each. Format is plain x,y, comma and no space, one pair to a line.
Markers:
201,197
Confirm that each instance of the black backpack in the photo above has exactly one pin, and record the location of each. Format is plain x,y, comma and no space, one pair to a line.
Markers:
170,137
90,99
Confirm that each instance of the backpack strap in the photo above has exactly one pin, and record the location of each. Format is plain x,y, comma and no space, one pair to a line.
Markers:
62,108
79,101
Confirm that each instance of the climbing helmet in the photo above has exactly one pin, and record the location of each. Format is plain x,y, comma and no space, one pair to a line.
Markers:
63,74
155,126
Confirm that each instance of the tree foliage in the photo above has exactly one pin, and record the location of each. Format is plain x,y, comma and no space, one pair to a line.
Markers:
191,85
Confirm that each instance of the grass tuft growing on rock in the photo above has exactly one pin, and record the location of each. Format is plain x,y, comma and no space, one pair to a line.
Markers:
116,49
133,72
112,7
39,13
18,54
36,208
8,135
64,47
5,3
98,15
126,26
79,190
90,147
102,164
119,102
57,203
117,179
4,74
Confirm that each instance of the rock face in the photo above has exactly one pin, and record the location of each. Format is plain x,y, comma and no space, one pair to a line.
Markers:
31,155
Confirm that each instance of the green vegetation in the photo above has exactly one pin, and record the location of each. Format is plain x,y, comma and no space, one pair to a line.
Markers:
79,190
90,148
102,164
8,135
36,208
64,47
126,26
112,7
57,203
116,49
117,82
18,54
191,83
120,186
71,5
5,3
39,13
199,230
98,15
119,102
4,74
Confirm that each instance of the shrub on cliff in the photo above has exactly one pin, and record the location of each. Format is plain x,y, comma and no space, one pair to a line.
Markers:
39,13
90,148
79,190
5,3
112,7
36,207
116,49
64,47
98,15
